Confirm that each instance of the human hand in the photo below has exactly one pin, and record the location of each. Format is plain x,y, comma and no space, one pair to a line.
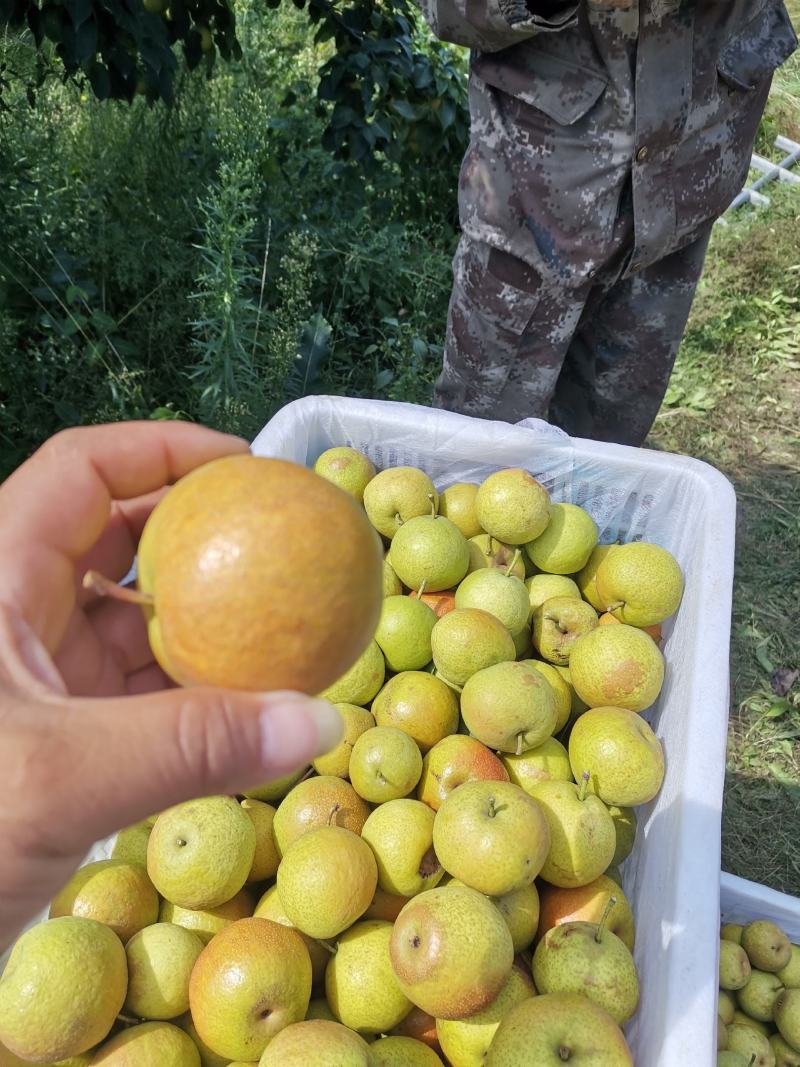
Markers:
93,736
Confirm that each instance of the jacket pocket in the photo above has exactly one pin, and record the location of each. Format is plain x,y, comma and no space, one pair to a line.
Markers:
564,91
758,48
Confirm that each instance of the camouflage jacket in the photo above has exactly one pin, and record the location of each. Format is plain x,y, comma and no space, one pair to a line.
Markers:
567,106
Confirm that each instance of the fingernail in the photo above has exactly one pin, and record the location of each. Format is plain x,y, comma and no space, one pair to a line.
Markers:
295,729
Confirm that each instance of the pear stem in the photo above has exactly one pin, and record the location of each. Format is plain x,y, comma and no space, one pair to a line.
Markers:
129,1020
604,919
513,563
583,786
421,589
492,811
519,745
103,586
398,518
332,815
490,546
615,605
433,505
326,944
453,685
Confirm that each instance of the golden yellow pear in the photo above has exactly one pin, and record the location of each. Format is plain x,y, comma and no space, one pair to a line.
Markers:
421,705
316,802
400,834
206,922
62,989
224,557
152,1044
360,984
113,892
266,858
403,1052
130,844
249,982
617,666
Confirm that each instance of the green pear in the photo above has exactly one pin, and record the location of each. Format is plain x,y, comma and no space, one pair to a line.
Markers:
346,467
201,852
359,982
522,642
582,835
361,682
577,706
625,827
392,586
276,788
639,583
326,881
249,982
757,998
520,909
398,1051
457,503
787,1017
741,1018
400,834
466,641
317,1041
111,891
785,1055
322,801
733,1059
726,1005
208,1058
62,988
767,946
404,633
509,707
586,958
621,754
491,836
266,858
722,1035
567,543
561,690
160,962
543,587
466,1042
587,576
790,974
512,506
207,922
319,1008
617,666
385,764
499,593
130,844
152,1044
336,763
547,761
750,1043
734,966
486,551
421,705
396,495
558,623
429,553
732,932
555,1028
451,951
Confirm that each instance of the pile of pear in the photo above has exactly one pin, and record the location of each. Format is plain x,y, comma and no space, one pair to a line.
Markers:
442,887
759,997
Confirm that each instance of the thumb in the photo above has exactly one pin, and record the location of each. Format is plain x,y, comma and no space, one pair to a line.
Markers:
139,755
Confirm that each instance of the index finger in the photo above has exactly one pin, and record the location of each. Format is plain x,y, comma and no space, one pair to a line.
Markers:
56,506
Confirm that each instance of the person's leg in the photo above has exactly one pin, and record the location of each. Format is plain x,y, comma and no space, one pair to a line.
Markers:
618,364
507,334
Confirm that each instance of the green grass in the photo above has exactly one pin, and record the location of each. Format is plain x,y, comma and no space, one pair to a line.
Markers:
733,401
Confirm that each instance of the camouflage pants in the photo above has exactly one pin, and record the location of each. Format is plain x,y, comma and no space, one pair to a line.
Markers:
593,359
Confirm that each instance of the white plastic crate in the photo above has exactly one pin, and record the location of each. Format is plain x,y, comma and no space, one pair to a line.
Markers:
742,902
689,508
